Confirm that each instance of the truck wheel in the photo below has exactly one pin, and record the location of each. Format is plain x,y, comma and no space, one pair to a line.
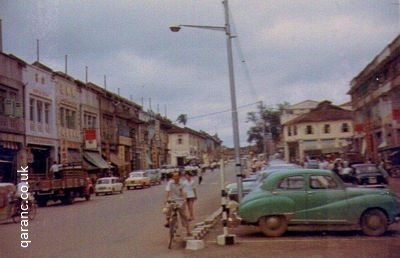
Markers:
374,223
41,202
68,198
87,197
273,226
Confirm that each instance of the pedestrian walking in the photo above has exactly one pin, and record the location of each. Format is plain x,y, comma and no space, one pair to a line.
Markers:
202,171
190,190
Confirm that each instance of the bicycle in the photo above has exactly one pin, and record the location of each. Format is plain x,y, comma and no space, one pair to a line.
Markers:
173,221
31,204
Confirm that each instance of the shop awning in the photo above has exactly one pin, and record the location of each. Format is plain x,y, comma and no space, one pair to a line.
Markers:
115,160
149,160
89,167
95,159
382,145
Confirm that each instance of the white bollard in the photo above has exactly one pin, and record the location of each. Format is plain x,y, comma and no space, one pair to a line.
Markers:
225,238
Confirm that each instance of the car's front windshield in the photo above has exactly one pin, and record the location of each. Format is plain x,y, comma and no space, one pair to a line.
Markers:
366,170
103,181
136,175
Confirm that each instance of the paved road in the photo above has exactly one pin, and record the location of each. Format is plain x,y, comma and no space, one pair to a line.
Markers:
121,225
299,244
131,225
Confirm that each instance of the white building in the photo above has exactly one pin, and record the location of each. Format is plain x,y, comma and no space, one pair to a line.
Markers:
40,117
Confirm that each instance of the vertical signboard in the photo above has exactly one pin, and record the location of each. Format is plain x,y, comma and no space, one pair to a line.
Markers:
90,138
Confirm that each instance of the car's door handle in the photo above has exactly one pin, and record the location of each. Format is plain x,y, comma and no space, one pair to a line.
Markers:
310,192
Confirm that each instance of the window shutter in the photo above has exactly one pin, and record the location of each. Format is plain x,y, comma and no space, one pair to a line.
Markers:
8,110
18,109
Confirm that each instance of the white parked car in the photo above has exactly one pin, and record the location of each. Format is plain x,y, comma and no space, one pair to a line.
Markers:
108,185
137,179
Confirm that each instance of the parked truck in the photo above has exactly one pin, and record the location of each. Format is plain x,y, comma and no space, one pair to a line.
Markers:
70,183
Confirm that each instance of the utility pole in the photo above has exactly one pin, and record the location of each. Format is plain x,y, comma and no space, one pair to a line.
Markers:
1,37
235,122
66,64
86,74
37,50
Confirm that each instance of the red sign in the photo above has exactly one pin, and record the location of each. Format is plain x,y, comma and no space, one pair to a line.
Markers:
358,128
90,134
396,114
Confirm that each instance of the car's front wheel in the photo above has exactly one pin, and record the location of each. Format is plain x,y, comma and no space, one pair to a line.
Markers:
374,222
273,226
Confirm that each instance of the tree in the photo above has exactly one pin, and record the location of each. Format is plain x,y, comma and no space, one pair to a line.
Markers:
182,119
270,117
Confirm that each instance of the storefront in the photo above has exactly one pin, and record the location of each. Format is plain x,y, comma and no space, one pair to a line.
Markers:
41,153
10,158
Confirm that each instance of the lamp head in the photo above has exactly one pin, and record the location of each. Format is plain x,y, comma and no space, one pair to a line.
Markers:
175,28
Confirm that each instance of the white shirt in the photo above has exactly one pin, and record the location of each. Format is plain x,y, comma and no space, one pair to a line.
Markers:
54,168
188,188
175,190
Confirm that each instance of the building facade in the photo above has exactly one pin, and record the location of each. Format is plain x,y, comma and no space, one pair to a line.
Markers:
325,130
40,117
68,122
375,95
12,124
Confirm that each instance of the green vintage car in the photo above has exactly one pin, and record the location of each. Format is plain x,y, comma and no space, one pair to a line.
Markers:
317,199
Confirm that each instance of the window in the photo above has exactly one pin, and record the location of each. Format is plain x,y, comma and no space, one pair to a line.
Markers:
2,101
39,105
32,109
46,112
292,183
37,77
322,182
294,130
62,117
180,140
309,129
327,129
345,128
71,120
289,132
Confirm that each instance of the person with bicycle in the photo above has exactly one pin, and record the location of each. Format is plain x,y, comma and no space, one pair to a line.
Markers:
175,193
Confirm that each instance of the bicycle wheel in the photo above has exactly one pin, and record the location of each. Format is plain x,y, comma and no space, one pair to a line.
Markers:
16,217
172,228
32,211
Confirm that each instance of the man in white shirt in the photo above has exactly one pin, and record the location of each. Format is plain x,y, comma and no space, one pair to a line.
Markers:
55,170
175,193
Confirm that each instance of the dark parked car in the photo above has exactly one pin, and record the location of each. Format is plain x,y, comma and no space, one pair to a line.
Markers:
367,175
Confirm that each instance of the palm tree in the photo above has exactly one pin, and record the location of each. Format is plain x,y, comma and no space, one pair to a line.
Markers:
182,119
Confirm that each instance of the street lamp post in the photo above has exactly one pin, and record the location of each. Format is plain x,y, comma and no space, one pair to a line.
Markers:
235,123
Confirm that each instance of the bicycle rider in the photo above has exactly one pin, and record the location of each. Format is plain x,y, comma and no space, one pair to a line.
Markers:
175,193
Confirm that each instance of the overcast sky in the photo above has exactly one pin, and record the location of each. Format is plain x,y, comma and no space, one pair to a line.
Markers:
284,50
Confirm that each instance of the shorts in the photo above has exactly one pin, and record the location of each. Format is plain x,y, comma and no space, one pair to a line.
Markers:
190,199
